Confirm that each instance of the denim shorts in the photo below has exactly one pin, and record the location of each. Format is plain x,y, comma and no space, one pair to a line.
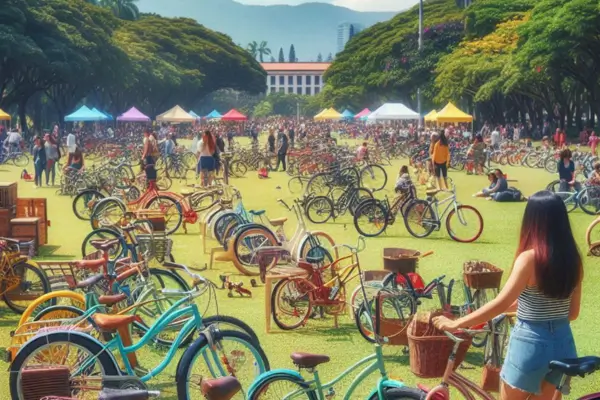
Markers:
531,347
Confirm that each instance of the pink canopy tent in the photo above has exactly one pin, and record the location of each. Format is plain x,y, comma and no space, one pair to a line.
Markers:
234,115
133,115
363,113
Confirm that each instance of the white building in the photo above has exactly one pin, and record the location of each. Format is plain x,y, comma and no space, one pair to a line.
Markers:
343,33
300,78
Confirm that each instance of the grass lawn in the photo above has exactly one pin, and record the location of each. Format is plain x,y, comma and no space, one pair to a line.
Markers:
345,346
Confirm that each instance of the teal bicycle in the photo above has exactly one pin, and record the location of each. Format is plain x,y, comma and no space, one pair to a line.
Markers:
288,384
91,363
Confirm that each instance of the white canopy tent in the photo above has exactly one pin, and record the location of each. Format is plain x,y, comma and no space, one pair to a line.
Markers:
392,112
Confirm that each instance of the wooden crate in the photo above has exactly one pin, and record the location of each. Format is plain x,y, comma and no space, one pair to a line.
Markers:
8,194
6,214
26,228
35,207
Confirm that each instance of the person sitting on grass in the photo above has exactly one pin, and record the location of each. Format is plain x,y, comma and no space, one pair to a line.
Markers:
594,179
403,184
494,191
487,191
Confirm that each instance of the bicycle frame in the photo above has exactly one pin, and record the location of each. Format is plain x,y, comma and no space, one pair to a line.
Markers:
435,205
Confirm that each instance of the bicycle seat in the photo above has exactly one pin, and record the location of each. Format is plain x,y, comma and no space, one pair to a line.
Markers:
278,221
307,360
112,322
257,213
223,388
90,264
172,265
577,366
111,299
104,245
92,280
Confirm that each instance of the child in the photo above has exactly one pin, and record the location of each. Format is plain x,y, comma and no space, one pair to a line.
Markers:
594,179
403,183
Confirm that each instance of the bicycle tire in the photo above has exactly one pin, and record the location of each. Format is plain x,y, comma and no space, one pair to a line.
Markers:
105,234
319,184
419,210
201,345
375,214
264,384
21,160
456,212
369,176
177,214
401,393
359,195
403,298
107,204
107,362
72,312
249,265
322,208
590,201
43,278
296,185
279,286
89,197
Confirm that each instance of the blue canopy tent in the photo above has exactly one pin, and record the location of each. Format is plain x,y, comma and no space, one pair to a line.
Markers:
214,114
107,117
193,114
347,114
84,114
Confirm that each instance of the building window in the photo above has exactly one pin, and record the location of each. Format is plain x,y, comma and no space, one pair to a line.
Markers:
272,89
290,81
299,80
281,90
290,89
308,80
272,80
299,90
308,91
317,90
317,80
281,80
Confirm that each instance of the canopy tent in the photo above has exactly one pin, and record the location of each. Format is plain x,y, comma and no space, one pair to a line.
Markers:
175,114
133,115
431,116
347,114
4,116
392,111
107,115
363,114
329,114
84,114
214,114
233,115
193,114
451,113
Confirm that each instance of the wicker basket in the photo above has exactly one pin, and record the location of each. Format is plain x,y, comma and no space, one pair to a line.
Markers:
400,261
429,348
392,327
45,381
481,275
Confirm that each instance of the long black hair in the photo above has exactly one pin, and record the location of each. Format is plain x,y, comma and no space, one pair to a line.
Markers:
443,138
558,267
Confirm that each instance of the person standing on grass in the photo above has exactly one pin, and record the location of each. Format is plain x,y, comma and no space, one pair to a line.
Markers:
52,156
441,160
206,161
566,172
282,150
545,285
39,160
593,142
149,157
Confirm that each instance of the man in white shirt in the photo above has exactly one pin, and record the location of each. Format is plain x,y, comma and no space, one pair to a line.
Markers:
71,143
495,138
13,142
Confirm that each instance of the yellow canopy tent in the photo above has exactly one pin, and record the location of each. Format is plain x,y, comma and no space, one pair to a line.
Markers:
451,113
319,114
431,117
4,116
176,114
329,114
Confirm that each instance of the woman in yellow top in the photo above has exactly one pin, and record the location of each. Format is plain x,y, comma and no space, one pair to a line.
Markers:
441,160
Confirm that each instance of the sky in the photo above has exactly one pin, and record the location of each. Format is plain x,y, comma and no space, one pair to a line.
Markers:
359,5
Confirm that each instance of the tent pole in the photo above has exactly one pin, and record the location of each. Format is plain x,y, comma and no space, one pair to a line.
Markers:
420,124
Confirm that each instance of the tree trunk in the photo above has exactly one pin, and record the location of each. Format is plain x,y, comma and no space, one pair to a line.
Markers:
23,117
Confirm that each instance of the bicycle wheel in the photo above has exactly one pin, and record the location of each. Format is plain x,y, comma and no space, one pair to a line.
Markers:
464,224
200,202
358,196
107,212
370,219
32,283
280,386
569,199
419,219
551,165
373,177
164,183
319,210
80,353
590,200
480,298
246,243
231,353
296,185
497,343
238,169
319,185
401,393
84,202
58,312
116,252
21,160
357,297
291,303
171,209
398,306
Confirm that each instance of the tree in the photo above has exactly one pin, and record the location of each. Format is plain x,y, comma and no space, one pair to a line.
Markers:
263,50
351,32
320,58
281,58
253,49
292,55
272,59
124,9
330,57
263,109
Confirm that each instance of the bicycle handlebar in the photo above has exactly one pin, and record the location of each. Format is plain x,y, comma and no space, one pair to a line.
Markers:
284,204
360,246
192,294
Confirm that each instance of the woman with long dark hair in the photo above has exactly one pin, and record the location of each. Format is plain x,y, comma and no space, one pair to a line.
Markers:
206,161
441,160
545,282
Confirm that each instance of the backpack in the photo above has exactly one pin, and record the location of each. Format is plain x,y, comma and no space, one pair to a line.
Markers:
263,173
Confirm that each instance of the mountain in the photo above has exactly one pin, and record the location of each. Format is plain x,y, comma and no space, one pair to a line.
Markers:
310,27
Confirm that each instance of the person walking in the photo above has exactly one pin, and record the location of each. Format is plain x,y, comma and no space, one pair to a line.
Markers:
149,157
282,150
206,161
52,156
441,160
39,160
545,283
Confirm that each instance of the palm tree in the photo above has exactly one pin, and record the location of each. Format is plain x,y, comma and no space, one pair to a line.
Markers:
263,50
253,48
124,9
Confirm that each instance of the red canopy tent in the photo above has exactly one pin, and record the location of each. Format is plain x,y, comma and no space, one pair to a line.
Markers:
233,115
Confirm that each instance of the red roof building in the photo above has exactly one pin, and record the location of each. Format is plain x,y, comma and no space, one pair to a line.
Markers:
300,78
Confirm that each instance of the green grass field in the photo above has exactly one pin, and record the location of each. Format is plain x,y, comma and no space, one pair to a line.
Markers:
345,346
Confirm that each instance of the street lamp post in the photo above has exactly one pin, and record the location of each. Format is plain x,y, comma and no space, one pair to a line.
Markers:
420,48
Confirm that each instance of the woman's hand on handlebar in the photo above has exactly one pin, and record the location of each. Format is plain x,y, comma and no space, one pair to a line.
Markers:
444,323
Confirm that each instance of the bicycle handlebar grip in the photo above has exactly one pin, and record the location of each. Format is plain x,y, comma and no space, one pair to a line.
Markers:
426,254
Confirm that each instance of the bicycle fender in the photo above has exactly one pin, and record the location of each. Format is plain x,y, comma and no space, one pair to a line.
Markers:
104,200
381,385
295,375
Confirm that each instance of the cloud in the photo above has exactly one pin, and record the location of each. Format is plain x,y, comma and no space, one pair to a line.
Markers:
359,5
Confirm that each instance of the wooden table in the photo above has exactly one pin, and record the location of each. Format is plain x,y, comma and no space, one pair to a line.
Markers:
273,275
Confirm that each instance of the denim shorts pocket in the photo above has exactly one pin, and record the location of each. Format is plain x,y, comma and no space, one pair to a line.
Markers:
527,354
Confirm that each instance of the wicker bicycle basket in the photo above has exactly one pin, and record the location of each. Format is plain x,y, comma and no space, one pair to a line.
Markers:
402,261
430,348
481,275
46,381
